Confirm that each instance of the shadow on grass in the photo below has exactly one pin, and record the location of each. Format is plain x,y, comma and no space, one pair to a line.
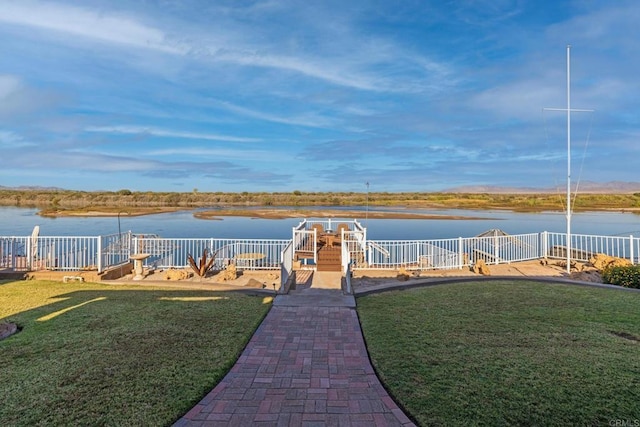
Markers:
111,355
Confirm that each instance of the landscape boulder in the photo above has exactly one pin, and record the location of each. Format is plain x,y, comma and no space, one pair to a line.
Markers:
602,262
230,273
253,283
175,274
481,267
403,275
7,329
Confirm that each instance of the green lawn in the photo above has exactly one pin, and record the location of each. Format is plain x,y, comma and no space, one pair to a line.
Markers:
93,354
508,353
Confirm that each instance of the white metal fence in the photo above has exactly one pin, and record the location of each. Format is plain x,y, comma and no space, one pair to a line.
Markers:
251,254
102,252
14,253
584,247
462,252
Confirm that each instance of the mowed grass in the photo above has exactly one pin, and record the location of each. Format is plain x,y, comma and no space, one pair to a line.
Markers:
508,353
93,354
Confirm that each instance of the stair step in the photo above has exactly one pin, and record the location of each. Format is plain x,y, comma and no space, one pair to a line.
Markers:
329,259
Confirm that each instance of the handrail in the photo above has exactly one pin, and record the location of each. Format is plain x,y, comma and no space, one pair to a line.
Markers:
379,248
104,252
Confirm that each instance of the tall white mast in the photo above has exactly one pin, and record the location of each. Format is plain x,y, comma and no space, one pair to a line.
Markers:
568,110
568,158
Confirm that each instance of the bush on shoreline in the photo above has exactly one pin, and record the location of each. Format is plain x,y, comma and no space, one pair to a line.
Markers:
628,277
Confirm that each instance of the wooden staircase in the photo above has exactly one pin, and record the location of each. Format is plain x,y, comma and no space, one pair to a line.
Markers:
329,258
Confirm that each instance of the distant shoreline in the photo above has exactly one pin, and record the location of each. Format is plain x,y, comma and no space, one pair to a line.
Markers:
291,212
262,213
274,213
53,204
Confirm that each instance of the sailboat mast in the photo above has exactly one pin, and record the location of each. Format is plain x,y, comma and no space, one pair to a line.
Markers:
568,110
568,158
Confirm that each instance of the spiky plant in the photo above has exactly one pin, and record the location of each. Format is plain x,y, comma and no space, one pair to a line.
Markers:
203,267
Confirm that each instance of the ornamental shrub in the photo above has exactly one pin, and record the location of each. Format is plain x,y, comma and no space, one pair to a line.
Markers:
629,276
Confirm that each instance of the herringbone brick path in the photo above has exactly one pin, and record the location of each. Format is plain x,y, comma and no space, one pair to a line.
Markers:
304,366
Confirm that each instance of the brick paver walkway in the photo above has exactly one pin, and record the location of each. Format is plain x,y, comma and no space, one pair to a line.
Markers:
304,366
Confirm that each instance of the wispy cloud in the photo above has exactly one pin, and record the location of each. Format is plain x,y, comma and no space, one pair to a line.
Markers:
366,67
108,27
18,99
11,141
308,120
164,133
224,153
321,95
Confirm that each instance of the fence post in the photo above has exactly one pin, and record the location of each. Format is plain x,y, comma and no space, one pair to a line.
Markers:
545,244
631,254
29,254
99,238
460,254
12,251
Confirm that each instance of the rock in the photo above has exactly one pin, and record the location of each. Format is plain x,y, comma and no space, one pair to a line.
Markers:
403,274
253,283
230,273
273,276
602,262
7,329
481,267
175,274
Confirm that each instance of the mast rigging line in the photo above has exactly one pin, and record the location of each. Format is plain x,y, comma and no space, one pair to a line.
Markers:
582,162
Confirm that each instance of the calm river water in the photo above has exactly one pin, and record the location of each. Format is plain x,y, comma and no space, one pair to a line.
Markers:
20,222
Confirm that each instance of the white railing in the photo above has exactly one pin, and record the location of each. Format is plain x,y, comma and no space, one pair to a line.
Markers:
115,249
65,253
247,254
412,254
305,241
101,252
354,248
450,253
330,224
14,253
584,247
501,249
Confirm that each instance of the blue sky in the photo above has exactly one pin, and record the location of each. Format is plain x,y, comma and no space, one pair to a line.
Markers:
283,95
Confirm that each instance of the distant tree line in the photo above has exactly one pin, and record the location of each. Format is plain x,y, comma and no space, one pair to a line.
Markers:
69,199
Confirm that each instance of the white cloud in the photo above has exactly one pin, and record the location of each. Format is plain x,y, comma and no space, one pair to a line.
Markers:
8,86
17,98
520,99
218,153
10,140
83,22
151,131
359,64
308,120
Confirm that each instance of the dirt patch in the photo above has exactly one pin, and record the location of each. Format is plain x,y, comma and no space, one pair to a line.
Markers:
625,336
368,278
7,329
